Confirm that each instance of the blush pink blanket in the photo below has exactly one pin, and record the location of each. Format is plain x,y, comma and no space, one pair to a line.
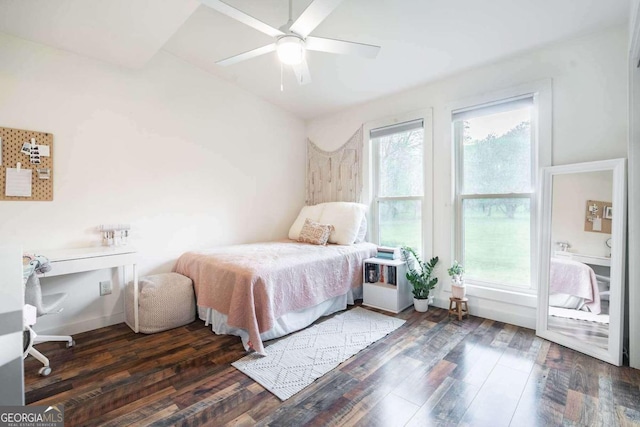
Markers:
255,284
575,278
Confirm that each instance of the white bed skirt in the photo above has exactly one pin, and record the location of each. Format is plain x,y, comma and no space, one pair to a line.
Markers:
288,323
566,301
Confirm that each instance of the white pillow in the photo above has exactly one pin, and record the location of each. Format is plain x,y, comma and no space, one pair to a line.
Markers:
362,231
346,218
311,212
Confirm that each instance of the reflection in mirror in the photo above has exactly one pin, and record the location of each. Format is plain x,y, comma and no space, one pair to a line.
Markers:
582,245
580,263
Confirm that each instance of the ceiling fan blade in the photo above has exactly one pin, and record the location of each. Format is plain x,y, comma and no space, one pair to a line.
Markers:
302,73
342,47
247,55
313,15
238,15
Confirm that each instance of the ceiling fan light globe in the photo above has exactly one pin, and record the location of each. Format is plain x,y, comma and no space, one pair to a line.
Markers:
290,50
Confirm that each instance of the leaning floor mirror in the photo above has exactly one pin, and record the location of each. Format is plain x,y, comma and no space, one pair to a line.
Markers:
581,293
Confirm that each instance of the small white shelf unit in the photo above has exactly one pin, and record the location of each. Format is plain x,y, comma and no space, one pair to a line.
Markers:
385,284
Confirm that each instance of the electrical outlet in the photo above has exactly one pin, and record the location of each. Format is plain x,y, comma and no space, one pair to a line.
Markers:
105,288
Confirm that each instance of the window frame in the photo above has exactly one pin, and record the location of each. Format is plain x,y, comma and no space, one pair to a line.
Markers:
371,182
540,157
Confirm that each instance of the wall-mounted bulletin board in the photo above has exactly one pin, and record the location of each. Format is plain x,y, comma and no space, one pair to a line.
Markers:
36,156
598,216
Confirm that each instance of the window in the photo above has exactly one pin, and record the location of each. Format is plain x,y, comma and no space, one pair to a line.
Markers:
398,184
496,164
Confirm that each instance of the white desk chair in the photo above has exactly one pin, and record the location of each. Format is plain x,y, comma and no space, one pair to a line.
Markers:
44,305
604,285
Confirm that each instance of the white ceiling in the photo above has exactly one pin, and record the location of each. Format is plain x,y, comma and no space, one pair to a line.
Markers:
122,32
421,40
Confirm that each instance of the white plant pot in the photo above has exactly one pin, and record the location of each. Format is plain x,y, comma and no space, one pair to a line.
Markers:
458,291
421,305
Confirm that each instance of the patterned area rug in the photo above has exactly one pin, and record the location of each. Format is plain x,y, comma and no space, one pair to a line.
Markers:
298,360
578,315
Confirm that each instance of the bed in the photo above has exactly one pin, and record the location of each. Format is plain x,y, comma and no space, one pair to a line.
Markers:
573,285
262,291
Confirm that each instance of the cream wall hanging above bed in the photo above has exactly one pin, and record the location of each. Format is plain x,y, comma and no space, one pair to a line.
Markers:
335,176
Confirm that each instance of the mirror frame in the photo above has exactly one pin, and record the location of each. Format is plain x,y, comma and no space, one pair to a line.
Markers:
613,353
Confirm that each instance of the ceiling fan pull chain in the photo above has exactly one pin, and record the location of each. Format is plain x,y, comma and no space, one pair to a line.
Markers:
302,55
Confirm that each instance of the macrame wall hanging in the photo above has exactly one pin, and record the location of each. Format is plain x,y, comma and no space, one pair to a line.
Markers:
335,176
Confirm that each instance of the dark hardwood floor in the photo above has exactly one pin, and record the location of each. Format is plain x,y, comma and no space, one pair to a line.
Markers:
431,371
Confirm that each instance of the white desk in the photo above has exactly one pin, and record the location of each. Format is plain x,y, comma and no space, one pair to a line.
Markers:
585,259
68,261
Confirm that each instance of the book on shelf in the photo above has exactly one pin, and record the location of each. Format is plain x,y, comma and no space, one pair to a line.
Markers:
385,252
391,275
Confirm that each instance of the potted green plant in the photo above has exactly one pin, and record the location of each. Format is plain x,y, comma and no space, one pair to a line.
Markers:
458,289
420,275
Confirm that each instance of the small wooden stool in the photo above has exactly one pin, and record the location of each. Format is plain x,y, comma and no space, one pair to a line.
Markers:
458,307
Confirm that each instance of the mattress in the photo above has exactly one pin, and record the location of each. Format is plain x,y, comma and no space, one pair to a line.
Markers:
254,285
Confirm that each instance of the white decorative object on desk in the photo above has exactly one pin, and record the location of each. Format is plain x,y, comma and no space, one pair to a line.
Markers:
115,234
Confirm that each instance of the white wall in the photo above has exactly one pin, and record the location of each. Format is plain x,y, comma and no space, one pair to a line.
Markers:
190,161
570,195
589,123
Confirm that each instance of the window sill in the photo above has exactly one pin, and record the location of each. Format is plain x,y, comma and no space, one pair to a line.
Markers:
525,298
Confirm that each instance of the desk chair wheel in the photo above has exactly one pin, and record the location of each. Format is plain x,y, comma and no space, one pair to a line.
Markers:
71,344
44,371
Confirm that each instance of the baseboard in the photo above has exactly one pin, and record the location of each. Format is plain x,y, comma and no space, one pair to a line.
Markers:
85,325
477,309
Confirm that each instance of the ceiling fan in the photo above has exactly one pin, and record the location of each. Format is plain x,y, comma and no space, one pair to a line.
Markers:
293,39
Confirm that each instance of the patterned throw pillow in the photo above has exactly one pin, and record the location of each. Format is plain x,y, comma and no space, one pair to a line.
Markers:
314,232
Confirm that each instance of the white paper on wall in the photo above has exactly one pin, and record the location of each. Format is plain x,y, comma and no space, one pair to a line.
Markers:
597,224
18,182
43,150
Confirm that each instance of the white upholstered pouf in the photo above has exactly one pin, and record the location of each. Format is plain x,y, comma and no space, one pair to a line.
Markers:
165,301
